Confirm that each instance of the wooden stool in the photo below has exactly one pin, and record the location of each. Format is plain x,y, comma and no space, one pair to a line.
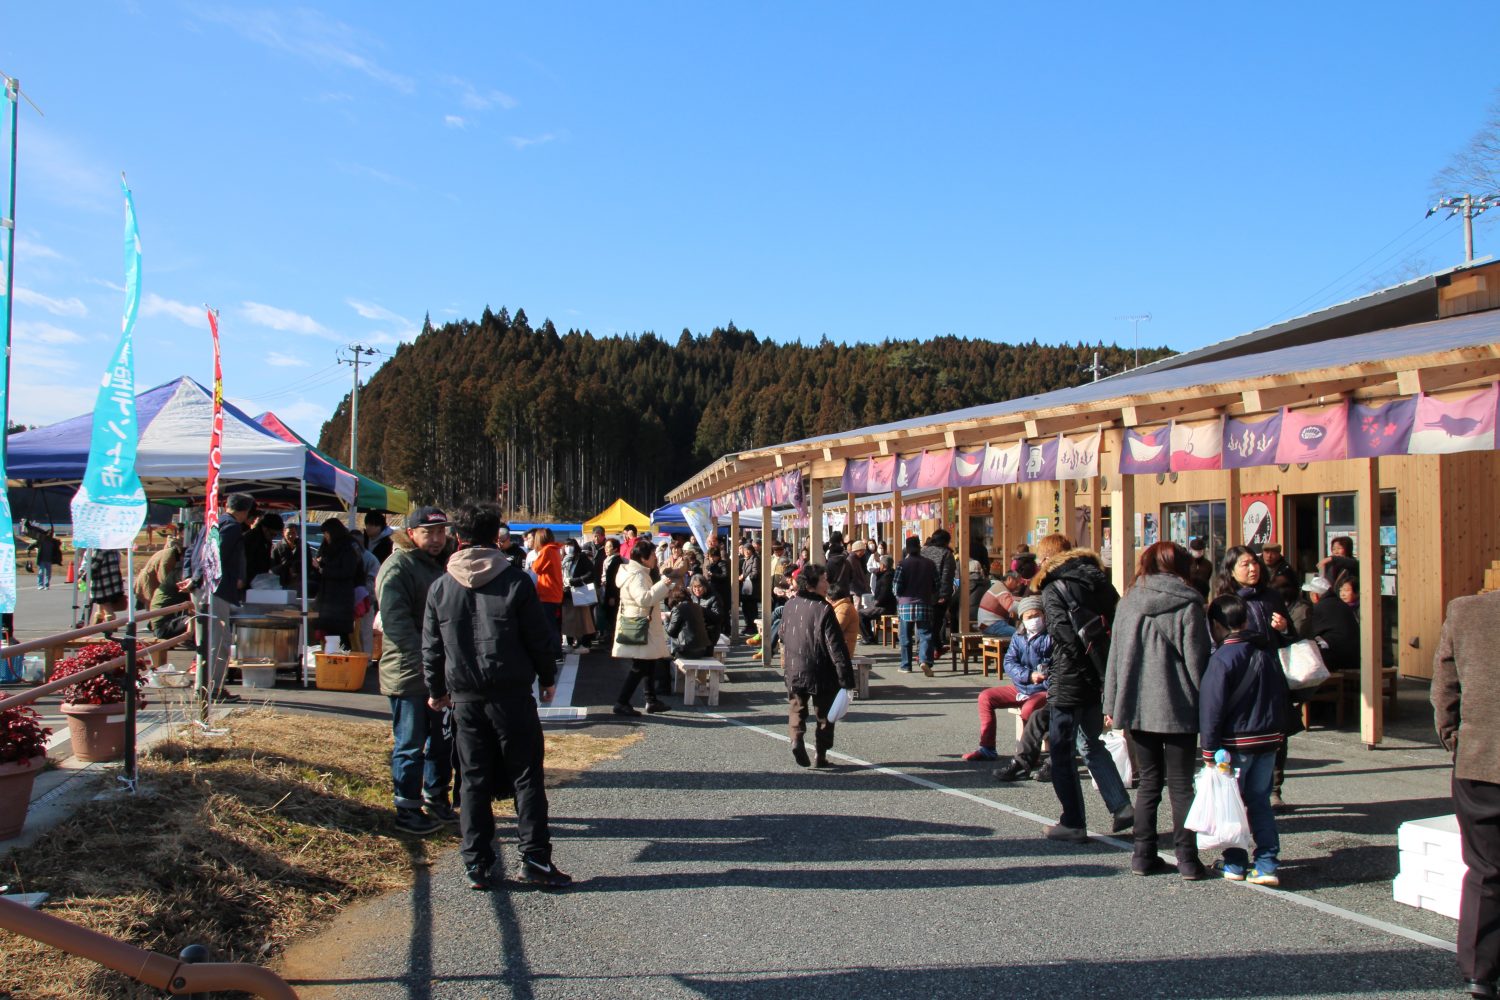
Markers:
700,673
992,651
721,649
966,645
1330,691
890,630
862,666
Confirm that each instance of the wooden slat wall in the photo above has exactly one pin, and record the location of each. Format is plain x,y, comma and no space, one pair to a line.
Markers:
1458,305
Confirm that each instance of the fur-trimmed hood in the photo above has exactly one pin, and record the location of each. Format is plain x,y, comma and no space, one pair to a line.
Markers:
1083,556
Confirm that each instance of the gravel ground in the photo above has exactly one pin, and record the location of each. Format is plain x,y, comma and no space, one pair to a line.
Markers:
708,865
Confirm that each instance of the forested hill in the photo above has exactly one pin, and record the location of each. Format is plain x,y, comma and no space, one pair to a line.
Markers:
568,422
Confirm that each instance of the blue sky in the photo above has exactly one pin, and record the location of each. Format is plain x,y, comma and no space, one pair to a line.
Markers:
327,173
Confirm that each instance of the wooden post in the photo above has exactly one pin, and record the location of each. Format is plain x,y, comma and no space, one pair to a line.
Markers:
733,556
897,541
815,522
1096,512
1002,532
1371,694
1234,529
1066,491
766,591
849,523
1122,532
961,558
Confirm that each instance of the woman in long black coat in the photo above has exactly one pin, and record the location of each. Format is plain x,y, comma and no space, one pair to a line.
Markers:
341,567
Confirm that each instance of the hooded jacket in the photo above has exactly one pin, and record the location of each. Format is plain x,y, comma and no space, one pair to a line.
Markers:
401,589
1158,650
1077,675
549,573
485,636
640,598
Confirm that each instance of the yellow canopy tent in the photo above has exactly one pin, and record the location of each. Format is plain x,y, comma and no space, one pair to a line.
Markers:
614,518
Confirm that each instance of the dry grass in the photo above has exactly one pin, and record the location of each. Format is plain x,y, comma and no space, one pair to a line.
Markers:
239,842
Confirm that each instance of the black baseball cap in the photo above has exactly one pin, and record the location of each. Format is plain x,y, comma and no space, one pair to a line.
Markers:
427,517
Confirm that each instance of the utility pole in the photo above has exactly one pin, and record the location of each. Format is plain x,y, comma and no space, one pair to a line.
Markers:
360,352
13,95
1468,206
1135,322
1096,368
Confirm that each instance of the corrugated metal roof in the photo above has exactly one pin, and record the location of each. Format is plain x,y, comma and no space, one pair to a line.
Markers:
1473,330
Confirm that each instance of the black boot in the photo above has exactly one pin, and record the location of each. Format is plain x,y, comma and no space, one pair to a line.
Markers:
1016,770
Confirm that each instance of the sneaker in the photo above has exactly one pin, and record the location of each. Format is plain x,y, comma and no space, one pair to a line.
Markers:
799,754
548,876
927,669
479,877
1125,818
624,709
982,753
903,670
440,811
1232,874
657,707
1067,834
1016,770
1258,877
415,821
1044,773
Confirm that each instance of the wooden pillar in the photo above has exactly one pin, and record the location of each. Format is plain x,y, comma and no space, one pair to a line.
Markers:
766,590
961,558
849,523
733,556
1371,699
815,522
1096,512
1234,528
1122,532
897,539
1002,530
1066,490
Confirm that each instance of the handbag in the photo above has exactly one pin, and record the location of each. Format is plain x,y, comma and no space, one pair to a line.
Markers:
1302,662
584,595
631,631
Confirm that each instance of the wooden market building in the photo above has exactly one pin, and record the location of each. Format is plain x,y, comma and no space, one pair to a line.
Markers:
1425,525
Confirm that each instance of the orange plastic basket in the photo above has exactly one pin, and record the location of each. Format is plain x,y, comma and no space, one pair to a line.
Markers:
341,671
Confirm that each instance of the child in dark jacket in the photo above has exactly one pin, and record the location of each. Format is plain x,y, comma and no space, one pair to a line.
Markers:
1242,711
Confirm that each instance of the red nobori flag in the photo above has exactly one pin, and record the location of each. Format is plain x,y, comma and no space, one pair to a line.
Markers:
208,553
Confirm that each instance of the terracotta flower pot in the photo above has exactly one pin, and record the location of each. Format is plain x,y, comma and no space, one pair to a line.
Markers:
15,793
97,731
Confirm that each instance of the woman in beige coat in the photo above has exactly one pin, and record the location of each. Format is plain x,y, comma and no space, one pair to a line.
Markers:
641,597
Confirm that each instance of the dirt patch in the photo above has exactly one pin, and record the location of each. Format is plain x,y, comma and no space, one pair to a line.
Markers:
239,843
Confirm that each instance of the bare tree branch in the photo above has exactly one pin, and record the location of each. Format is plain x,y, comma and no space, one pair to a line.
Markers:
1476,169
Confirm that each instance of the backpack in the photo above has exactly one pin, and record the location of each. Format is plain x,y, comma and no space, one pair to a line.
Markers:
1093,627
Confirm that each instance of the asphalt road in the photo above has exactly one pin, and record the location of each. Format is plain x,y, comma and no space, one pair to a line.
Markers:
708,865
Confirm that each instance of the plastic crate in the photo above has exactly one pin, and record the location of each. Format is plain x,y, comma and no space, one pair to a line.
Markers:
341,671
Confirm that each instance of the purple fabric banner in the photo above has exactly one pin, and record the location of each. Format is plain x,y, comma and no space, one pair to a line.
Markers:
1377,431
1040,458
1251,442
968,466
1146,450
856,476
908,469
882,474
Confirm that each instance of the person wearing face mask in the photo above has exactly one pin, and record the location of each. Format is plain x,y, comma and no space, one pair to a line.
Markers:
1027,660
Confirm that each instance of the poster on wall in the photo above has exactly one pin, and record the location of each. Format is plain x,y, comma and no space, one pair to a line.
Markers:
1149,534
1041,527
1258,518
1177,527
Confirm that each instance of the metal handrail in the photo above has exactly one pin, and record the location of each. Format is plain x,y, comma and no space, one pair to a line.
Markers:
32,694
150,967
113,625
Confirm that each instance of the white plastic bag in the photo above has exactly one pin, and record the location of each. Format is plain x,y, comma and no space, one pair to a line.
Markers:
584,596
1119,752
1218,815
840,706
1302,662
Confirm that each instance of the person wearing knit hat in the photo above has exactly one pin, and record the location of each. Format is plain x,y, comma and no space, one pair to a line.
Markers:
1027,659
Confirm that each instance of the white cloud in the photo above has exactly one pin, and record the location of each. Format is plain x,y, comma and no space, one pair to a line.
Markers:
279,360
476,99
45,333
30,356
107,284
42,403
310,35
454,121
377,312
30,248
405,331
57,307
284,320
155,305
304,417
522,141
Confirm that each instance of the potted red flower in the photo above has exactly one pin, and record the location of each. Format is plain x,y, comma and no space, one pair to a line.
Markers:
95,707
23,751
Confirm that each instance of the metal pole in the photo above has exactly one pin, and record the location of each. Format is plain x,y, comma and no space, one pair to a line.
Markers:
353,419
12,94
130,667
302,552
1468,235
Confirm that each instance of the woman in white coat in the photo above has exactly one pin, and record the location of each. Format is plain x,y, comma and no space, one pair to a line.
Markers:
641,598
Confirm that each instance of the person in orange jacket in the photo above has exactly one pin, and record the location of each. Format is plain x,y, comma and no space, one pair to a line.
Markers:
549,579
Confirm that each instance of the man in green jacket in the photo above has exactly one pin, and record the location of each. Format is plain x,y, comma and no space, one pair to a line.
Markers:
421,764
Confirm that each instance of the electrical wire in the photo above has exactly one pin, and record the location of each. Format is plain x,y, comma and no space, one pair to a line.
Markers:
1292,310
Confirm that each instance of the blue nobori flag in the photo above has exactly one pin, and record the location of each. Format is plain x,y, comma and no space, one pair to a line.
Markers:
110,505
7,527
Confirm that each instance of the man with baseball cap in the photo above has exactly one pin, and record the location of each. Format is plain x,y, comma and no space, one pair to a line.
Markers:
421,763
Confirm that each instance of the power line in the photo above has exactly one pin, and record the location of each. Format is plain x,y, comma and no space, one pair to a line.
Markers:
1467,205
1335,281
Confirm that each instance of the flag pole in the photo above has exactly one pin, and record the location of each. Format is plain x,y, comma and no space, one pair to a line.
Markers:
131,697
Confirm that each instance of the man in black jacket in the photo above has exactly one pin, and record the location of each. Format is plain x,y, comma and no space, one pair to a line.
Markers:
485,641
1078,602
215,607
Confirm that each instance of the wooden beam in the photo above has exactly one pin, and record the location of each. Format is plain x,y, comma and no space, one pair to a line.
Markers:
961,556
949,441
1154,413
897,541
1275,397
1418,380
1371,693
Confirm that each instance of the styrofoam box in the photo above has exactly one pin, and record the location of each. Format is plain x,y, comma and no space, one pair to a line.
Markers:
1424,896
268,596
1442,873
1436,837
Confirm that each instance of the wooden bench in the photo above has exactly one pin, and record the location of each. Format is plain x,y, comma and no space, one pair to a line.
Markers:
696,674
992,651
966,645
862,666
1330,691
721,649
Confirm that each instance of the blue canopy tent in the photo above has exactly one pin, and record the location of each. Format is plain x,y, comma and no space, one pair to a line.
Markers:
670,519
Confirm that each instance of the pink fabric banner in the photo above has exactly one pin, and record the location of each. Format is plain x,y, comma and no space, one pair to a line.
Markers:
937,466
882,474
1197,446
1444,427
1318,435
